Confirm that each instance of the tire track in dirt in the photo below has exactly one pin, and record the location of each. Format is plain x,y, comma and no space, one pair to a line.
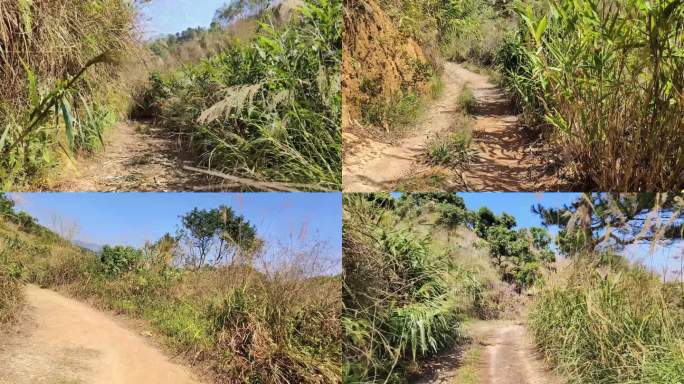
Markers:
510,358
507,356
65,341
503,161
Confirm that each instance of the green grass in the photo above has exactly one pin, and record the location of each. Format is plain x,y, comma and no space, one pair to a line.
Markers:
60,82
607,81
268,109
610,326
466,100
468,371
393,115
454,147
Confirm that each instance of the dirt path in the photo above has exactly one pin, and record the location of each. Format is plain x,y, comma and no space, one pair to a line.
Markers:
67,342
506,355
136,157
510,358
503,162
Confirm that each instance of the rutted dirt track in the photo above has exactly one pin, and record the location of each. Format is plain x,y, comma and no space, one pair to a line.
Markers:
503,161
136,157
67,342
508,357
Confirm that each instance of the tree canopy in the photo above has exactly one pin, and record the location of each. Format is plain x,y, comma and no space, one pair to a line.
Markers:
216,236
598,221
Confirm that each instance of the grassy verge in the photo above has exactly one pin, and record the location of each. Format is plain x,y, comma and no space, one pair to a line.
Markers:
60,65
617,118
268,109
611,325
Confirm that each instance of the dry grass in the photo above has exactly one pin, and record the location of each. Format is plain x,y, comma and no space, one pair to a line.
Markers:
272,323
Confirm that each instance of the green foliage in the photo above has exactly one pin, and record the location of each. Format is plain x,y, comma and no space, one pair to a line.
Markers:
610,326
241,324
53,93
454,148
269,110
400,296
218,234
119,259
399,111
466,100
608,80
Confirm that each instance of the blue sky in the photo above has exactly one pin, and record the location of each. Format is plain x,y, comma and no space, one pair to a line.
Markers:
162,17
517,204
133,218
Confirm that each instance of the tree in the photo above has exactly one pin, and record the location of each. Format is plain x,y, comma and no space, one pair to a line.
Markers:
119,259
597,221
238,9
216,236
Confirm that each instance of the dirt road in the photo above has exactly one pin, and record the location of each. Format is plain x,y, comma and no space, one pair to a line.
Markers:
67,342
503,161
506,355
136,157
510,358
376,166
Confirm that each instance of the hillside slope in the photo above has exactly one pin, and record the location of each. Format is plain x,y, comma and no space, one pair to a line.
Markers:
62,340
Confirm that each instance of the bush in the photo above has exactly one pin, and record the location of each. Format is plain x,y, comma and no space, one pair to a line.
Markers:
403,301
269,110
119,259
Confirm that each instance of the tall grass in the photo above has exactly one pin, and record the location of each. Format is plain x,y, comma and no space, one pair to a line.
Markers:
269,109
608,78
260,323
403,300
51,83
611,325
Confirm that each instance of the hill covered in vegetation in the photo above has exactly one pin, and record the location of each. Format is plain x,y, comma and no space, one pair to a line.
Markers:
205,297
253,97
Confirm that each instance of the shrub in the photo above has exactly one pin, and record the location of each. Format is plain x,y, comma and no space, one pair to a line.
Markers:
269,110
403,301
466,100
119,259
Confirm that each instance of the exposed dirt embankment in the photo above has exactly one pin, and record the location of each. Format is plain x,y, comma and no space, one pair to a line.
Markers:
378,62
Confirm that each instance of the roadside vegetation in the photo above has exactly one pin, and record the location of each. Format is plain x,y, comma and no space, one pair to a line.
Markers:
208,293
255,96
605,319
598,83
617,120
419,268
416,268
61,85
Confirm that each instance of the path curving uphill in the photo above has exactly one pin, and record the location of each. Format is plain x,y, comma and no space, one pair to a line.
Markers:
66,341
503,161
